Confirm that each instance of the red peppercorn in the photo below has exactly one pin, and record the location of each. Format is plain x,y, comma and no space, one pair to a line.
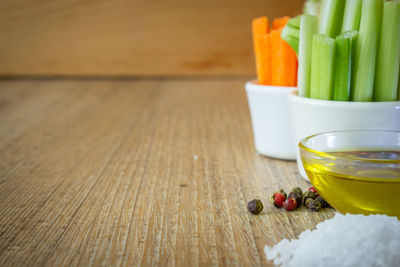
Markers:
290,204
312,189
279,199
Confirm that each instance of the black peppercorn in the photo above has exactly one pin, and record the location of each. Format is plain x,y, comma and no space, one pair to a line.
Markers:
324,204
312,204
296,193
255,206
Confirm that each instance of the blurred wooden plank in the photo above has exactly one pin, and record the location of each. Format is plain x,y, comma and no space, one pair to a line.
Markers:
122,173
132,37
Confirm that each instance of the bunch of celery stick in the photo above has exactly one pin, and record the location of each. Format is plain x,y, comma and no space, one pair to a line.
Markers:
348,50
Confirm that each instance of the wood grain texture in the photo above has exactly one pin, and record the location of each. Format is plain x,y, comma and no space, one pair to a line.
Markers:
132,37
145,172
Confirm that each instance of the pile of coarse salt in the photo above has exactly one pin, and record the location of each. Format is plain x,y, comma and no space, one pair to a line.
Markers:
344,240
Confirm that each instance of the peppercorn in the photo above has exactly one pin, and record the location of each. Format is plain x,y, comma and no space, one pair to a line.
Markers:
312,204
296,193
297,190
255,206
312,189
278,198
308,194
282,192
324,204
290,204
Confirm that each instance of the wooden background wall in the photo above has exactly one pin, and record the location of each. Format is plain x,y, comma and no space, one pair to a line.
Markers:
132,37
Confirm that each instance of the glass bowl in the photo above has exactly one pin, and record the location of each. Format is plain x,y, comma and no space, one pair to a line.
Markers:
355,171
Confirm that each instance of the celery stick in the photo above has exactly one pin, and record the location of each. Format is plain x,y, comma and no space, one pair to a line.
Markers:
330,17
388,57
311,7
307,30
344,56
352,15
294,22
291,33
398,90
366,50
322,66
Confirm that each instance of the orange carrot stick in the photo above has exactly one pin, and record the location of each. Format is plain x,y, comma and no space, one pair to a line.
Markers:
284,61
280,22
262,49
276,61
289,68
276,56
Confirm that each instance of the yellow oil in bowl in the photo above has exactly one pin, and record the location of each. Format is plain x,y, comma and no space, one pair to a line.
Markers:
362,180
358,190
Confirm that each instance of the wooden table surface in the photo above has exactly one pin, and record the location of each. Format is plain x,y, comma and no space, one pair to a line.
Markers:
136,172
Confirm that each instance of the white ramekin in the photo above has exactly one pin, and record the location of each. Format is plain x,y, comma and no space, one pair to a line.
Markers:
270,119
311,116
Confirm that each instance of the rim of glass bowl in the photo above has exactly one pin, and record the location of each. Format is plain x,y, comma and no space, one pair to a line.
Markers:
302,145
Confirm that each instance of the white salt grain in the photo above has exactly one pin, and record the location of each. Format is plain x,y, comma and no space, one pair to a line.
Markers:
344,240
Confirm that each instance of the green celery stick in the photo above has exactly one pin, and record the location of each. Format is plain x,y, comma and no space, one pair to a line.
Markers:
352,15
294,22
388,57
307,29
311,7
330,17
291,33
366,50
322,67
398,90
344,56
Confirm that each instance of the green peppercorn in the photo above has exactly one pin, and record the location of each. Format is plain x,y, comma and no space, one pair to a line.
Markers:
297,190
312,204
324,204
308,194
307,201
255,206
316,205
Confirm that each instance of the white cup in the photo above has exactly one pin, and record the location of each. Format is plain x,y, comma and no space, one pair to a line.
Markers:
269,111
312,116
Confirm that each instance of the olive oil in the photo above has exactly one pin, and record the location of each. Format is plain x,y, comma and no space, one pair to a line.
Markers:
363,187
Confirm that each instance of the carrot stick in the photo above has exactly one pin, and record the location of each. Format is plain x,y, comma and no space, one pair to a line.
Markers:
276,61
275,57
262,49
289,62
280,22
284,61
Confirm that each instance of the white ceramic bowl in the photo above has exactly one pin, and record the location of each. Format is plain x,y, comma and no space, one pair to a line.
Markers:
269,111
312,116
